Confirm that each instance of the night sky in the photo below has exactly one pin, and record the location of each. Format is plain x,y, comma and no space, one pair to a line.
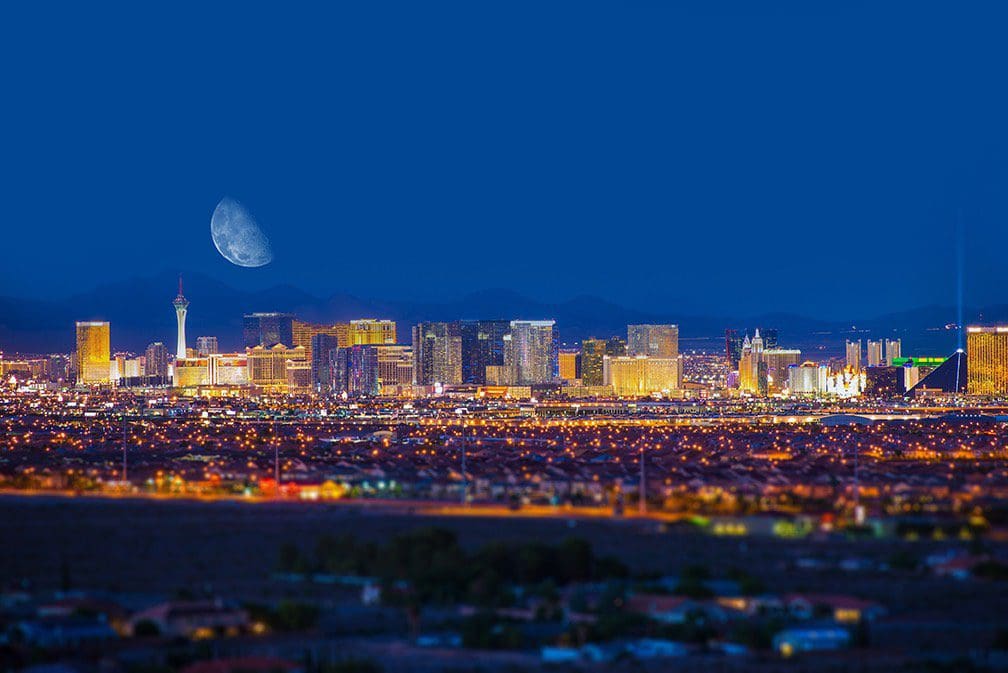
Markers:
711,160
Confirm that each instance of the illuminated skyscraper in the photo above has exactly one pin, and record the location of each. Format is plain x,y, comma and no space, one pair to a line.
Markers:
437,353
395,367
570,364
854,355
206,345
268,369
987,360
892,350
733,349
808,378
94,353
325,362
482,347
764,371
156,360
883,381
655,341
641,376
362,370
749,365
874,353
778,360
615,347
181,305
531,353
369,331
372,369
302,334
592,353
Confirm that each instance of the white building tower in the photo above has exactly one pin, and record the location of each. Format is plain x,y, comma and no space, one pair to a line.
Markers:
180,305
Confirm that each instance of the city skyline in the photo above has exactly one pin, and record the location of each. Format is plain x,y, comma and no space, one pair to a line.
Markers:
287,355
126,303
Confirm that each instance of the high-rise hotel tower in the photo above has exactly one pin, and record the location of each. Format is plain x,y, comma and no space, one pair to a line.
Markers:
987,360
93,352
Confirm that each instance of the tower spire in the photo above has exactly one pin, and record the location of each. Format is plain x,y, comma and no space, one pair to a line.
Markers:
181,305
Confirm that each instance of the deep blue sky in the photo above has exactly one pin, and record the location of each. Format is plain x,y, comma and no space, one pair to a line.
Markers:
715,160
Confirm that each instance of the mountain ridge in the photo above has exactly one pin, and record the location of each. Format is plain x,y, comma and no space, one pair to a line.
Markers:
131,305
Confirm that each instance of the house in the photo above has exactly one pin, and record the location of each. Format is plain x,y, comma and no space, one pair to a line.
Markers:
601,652
192,619
956,567
843,609
794,641
72,631
653,648
559,655
443,640
675,609
70,606
371,594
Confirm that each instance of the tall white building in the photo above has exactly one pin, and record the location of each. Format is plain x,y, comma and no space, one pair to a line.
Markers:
807,378
854,355
874,353
892,350
180,304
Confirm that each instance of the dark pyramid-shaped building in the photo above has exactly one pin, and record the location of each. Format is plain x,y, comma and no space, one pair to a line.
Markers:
948,377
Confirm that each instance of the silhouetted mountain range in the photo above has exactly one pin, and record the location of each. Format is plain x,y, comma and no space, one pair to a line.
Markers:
140,312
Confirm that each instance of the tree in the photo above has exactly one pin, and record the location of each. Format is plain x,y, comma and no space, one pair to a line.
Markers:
292,560
145,628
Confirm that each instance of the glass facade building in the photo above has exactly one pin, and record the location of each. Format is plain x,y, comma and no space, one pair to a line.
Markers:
268,329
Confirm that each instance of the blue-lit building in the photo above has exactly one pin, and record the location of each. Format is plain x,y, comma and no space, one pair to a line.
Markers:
268,329
482,347
324,366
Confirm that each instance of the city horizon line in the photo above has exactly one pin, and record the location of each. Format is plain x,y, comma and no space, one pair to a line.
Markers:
660,310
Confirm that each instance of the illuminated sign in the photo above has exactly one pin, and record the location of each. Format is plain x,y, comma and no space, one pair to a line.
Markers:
918,362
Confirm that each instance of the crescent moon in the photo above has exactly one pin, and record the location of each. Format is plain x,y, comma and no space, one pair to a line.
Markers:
237,236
